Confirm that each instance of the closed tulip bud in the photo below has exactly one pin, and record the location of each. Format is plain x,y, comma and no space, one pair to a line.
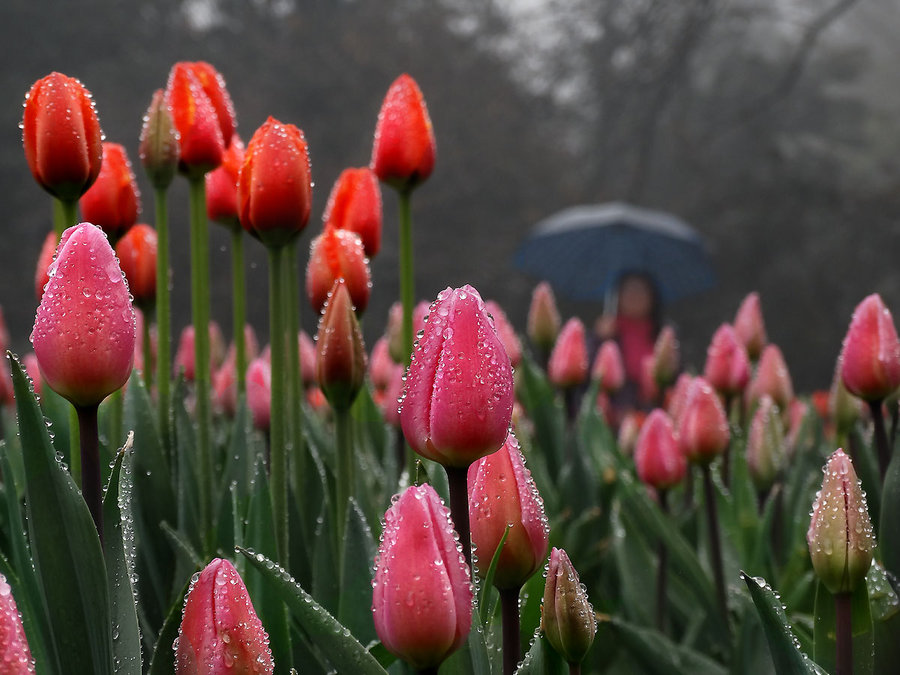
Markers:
355,205
337,254
703,428
657,457
259,392
201,144
666,357
15,656
679,397
220,632
33,368
727,364
870,357
381,365
404,149
501,493
307,359
48,250
221,187
394,329
213,85
390,402
84,330
750,327
840,536
4,333
113,201
505,332
275,184
543,317
649,387
629,430
137,256
772,378
224,387
609,367
61,136
765,444
184,354
459,386
7,393
843,407
568,366
567,618
422,594
159,148
340,353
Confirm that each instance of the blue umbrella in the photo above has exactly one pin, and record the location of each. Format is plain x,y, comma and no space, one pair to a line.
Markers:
584,250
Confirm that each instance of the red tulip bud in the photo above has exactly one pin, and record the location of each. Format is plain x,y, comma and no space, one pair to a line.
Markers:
666,357
213,85
609,368
355,204
543,317
15,656
765,444
48,250
259,392
201,144
137,256
772,378
750,327
870,358
337,254
159,149
568,366
220,632
727,365
340,353
567,618
657,457
703,428
113,201
221,187
422,597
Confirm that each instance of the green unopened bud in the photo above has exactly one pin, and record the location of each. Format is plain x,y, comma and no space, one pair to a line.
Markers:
765,444
159,149
340,353
567,618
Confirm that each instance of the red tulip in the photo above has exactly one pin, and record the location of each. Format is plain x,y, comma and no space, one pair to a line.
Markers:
568,366
772,378
459,387
501,493
703,432
62,136
609,368
113,201
337,254
505,332
220,632
201,143
657,457
213,85
567,618
870,358
159,148
259,392
15,656
84,330
48,250
750,327
221,186
543,317
727,365
404,149
340,353
355,204
422,597
137,256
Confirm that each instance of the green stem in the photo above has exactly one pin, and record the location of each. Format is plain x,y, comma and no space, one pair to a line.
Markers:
457,482
278,451
114,417
74,447
715,544
881,439
843,658
90,461
163,339
345,477
662,569
509,608
407,279
65,215
239,305
295,385
147,350
200,311
574,669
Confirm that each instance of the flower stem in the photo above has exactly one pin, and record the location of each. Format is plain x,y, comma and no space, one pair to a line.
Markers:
662,569
715,544
65,215
163,339
90,464
457,481
344,484
843,658
239,307
881,439
509,608
74,447
278,451
292,332
147,351
407,279
574,669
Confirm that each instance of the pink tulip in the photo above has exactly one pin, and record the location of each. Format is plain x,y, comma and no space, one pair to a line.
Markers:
259,392
543,317
394,331
727,365
568,366
772,378
609,368
870,358
224,385
307,359
15,656
679,397
657,457
505,332
422,597
381,365
703,432
390,403
750,327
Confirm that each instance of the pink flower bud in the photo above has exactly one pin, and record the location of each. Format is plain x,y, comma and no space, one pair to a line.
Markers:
657,457
34,372
567,618
259,392
224,385
568,365
772,378
543,317
843,407
15,656
765,444
727,365
666,357
394,331
84,330
505,332
679,397
390,403
870,356
307,359
422,597
220,632
750,327
45,258
840,535
381,365
184,354
609,368
629,430
459,387
501,493
340,353
703,428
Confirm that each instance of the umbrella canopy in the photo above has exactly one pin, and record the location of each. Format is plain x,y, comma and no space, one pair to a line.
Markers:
584,250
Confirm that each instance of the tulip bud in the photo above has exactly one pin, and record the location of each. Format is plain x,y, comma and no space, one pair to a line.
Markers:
259,392
137,256
337,254
609,368
772,378
224,387
15,656
201,144
727,365
703,428
679,397
765,444
213,85
61,136
394,329
649,387
870,357
113,201
355,205
843,407
459,387
184,355
568,366
84,330
666,357
422,595
340,353
220,632
390,402
48,249
750,327
629,430
543,317
657,457
840,535
505,332
307,359
33,368
404,148
501,493
159,149
381,365
567,618
221,187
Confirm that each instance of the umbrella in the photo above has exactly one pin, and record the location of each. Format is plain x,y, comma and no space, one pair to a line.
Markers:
584,250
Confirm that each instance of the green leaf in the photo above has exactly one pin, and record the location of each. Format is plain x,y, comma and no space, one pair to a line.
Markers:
355,598
889,528
861,627
64,542
163,661
488,584
118,545
786,655
542,659
658,655
343,650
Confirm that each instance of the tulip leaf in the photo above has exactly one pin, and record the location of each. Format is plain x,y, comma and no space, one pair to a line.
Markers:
163,661
542,659
67,555
543,408
783,646
488,584
355,597
326,566
658,655
885,606
339,646
119,550
889,528
381,654
861,628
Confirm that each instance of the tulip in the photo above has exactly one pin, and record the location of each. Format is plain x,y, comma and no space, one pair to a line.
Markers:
702,427
355,205
750,327
159,148
727,365
221,187
390,403
48,249
394,329
422,595
113,201
629,430
340,355
259,392
220,632
224,387
679,397
609,368
404,149
543,318
184,355
137,256
213,85
568,365
666,357
797,413
657,457
765,445
870,357
505,332
200,139
15,656
381,365
844,409
772,378
62,136
307,359
33,368
567,618
337,254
